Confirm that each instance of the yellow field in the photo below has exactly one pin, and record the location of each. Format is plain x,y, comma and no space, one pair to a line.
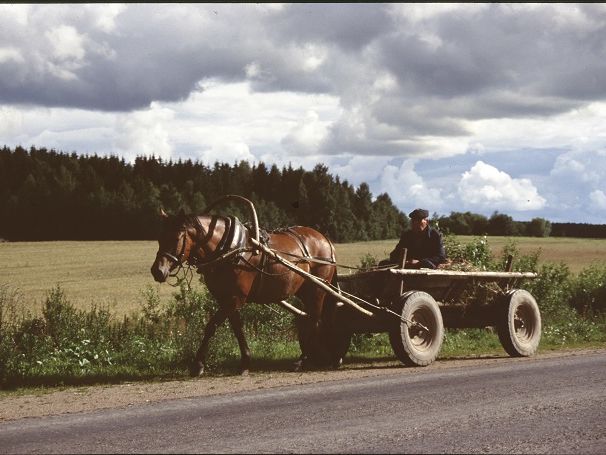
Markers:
112,273
115,273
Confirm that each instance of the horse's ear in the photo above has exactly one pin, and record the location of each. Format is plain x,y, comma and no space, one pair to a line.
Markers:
163,213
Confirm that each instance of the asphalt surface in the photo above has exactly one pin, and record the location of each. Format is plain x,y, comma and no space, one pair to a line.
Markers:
554,405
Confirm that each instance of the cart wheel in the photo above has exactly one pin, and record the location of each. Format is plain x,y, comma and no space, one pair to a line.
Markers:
519,326
413,344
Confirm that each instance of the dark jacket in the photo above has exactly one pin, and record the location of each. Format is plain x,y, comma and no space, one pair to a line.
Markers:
425,246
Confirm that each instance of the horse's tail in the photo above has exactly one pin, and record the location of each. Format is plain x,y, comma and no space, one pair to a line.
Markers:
333,257
330,300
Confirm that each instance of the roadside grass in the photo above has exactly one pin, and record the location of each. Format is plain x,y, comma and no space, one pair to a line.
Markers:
62,344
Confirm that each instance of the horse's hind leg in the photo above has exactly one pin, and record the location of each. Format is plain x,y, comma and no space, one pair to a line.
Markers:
304,334
215,321
235,321
310,328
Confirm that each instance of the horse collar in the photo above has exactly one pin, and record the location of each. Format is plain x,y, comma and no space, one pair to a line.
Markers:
234,237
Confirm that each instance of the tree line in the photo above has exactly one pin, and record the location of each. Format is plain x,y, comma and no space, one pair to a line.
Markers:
50,195
504,225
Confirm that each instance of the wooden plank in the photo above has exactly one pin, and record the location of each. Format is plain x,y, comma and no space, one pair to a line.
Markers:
457,274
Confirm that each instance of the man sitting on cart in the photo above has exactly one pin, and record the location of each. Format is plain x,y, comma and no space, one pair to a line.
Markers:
425,248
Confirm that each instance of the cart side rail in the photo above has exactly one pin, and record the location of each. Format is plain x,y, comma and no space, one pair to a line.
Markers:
451,274
457,274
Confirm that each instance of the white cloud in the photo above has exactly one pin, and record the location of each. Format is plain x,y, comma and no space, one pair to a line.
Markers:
312,56
66,42
11,122
10,53
581,166
145,133
407,189
17,13
67,50
579,129
486,187
306,136
276,127
227,152
106,15
360,169
566,165
416,13
598,199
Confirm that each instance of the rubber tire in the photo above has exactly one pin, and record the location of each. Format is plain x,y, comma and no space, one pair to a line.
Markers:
412,346
519,325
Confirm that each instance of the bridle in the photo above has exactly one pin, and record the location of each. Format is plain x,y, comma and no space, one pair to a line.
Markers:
178,256
178,260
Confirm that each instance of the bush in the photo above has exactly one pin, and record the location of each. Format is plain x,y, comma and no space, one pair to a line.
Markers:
478,253
475,255
521,263
63,342
368,262
67,345
588,291
551,289
454,249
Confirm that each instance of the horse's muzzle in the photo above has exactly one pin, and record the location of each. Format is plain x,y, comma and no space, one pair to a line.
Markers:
159,273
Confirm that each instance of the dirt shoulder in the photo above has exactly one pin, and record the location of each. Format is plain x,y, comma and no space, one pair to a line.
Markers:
90,398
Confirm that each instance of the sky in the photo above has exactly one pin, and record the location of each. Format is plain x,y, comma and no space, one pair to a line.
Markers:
449,107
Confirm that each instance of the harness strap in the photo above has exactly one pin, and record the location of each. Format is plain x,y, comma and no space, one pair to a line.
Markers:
306,256
300,240
319,260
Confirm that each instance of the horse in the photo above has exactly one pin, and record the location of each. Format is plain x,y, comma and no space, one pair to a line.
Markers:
236,273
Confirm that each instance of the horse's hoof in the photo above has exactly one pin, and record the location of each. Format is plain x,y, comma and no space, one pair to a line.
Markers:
297,366
244,372
197,369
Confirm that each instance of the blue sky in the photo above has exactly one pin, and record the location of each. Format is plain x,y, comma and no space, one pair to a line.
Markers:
451,107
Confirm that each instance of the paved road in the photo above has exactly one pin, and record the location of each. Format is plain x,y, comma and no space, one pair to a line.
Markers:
555,405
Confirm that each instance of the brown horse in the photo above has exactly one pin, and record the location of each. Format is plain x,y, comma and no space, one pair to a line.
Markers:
237,273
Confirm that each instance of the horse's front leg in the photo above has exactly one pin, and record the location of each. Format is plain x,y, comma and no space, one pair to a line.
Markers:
215,321
235,321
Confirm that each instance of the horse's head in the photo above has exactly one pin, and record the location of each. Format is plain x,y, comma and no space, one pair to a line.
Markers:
177,239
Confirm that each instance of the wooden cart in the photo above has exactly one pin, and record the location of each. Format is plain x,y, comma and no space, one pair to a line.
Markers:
414,306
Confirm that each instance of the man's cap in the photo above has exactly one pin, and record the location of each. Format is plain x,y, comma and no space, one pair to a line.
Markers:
419,214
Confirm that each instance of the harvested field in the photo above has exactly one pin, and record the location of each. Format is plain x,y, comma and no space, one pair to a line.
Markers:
115,273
